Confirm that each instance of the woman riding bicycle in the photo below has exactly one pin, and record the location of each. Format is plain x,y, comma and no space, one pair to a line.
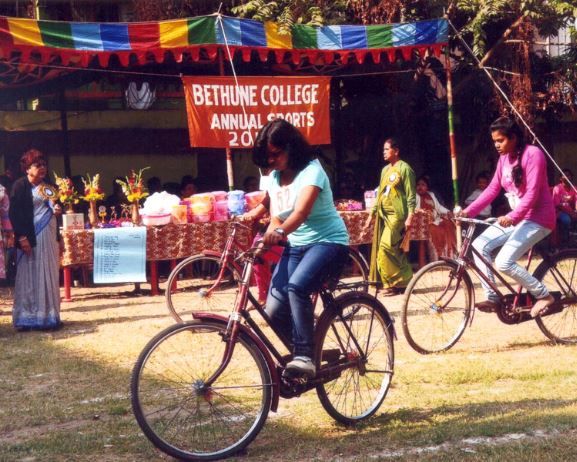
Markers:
300,202
522,173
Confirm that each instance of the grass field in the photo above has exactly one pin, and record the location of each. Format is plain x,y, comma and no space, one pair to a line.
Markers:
503,393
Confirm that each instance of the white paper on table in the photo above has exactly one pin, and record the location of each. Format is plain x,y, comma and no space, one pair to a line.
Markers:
120,255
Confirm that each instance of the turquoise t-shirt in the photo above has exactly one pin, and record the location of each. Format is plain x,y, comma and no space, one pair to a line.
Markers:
324,223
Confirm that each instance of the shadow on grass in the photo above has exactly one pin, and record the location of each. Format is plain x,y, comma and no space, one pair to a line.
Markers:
106,306
111,295
75,328
94,395
97,402
409,428
513,346
88,412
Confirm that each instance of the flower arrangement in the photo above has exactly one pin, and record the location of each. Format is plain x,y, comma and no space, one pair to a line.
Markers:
92,191
66,192
133,188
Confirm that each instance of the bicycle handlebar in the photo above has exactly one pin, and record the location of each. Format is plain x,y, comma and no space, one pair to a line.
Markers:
486,222
237,222
259,246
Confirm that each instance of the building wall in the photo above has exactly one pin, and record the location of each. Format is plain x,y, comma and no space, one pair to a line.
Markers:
113,152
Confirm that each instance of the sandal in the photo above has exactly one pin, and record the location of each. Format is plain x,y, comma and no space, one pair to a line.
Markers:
392,291
541,306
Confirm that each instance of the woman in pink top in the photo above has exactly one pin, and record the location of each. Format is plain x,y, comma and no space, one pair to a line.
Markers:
522,173
564,197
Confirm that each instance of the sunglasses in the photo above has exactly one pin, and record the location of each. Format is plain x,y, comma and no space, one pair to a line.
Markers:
273,151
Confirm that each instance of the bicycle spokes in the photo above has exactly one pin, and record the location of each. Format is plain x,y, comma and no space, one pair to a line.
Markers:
355,350
437,307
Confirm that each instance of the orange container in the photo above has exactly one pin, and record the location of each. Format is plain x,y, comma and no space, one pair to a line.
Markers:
202,204
179,212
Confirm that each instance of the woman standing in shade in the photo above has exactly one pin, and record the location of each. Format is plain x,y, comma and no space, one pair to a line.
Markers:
33,215
396,202
300,202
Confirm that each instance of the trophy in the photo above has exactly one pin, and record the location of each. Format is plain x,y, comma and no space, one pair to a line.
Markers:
102,215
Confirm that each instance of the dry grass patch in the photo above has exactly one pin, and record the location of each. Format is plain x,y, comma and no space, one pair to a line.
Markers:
65,395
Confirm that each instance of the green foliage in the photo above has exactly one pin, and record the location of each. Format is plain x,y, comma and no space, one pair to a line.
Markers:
481,17
289,12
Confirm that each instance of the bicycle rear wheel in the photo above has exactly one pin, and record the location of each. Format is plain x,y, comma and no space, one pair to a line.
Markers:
437,307
355,271
357,329
559,275
179,413
198,284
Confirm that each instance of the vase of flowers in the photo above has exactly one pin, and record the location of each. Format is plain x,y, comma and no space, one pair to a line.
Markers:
135,213
67,195
92,194
92,214
134,190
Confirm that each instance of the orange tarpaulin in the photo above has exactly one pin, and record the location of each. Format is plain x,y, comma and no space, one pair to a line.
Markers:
222,114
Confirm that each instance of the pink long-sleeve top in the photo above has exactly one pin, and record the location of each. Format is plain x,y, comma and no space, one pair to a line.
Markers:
564,198
535,201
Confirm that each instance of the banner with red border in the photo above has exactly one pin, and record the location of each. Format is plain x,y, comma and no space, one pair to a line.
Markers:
227,113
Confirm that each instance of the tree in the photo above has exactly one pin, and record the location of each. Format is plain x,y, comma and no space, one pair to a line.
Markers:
157,10
501,34
289,12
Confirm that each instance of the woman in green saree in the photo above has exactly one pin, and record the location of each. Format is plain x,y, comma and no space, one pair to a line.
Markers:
394,210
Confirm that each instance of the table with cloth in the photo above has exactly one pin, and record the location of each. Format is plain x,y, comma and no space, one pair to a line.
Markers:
420,232
172,242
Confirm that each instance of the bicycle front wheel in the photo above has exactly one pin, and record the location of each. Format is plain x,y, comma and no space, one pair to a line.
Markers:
184,416
358,331
199,283
437,307
560,277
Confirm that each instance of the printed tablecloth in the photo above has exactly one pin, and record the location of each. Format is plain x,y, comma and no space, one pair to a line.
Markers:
172,242
420,225
355,222
162,242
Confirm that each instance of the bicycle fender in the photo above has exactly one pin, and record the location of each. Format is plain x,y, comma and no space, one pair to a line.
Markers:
267,357
211,253
469,282
364,295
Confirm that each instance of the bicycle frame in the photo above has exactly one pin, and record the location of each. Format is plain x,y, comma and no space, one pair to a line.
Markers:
227,255
466,261
274,359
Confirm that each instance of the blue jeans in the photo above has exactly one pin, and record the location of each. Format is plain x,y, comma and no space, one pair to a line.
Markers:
297,275
516,241
564,225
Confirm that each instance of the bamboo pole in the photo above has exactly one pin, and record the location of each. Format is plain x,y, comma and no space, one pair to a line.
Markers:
452,145
229,164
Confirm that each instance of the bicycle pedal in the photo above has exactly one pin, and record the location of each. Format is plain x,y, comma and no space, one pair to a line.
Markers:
290,375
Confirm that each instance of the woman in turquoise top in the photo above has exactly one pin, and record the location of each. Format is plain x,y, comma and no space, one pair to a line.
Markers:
300,202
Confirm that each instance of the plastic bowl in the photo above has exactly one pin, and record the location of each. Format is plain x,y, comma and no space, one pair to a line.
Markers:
156,220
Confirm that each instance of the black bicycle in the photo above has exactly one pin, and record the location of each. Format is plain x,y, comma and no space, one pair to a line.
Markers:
439,300
202,390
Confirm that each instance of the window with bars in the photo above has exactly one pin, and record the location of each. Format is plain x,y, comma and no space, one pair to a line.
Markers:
554,46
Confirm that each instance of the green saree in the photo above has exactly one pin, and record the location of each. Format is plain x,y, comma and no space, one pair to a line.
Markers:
395,200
